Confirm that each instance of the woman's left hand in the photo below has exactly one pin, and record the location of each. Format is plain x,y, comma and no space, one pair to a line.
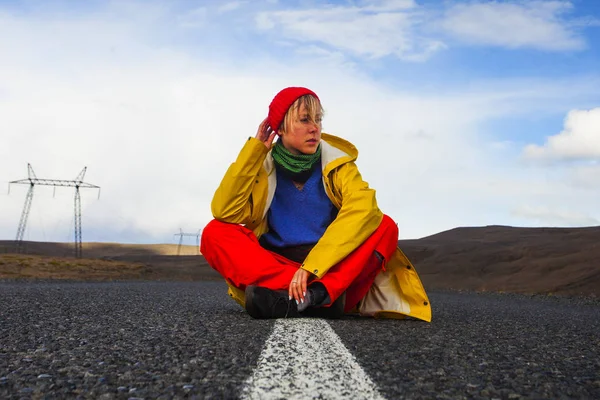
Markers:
297,289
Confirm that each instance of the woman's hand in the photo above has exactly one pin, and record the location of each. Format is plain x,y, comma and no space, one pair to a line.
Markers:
265,134
297,289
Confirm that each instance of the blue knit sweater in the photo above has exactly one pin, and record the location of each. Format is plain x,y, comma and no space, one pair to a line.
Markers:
299,217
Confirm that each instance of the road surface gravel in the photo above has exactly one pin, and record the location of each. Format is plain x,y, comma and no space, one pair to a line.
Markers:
129,340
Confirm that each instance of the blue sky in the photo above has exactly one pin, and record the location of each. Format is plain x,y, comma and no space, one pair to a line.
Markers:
465,113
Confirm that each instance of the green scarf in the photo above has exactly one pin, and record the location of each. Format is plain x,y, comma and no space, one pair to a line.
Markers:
296,165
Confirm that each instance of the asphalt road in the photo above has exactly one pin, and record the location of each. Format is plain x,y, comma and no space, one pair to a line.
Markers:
186,340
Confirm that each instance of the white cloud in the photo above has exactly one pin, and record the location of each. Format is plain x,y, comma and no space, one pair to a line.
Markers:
157,127
579,140
195,18
388,5
553,217
585,176
265,21
502,145
231,6
525,24
374,31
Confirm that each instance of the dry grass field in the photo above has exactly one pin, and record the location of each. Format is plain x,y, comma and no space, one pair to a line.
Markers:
27,266
560,261
104,261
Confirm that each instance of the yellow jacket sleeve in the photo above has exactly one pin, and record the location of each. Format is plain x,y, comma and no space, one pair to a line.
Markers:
232,201
358,217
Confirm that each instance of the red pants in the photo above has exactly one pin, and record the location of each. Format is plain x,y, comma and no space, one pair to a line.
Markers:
235,253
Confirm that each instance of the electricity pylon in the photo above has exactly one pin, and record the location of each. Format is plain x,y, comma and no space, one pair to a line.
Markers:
33,180
181,234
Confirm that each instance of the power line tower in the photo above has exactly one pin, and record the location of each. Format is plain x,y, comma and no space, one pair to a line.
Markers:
33,180
181,234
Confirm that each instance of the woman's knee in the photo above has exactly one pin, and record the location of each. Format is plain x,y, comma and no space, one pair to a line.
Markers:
390,227
211,232
215,231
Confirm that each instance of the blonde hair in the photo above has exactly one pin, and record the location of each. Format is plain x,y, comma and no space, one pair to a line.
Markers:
314,109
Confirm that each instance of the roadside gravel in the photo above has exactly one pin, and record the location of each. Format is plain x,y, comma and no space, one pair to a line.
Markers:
131,340
482,346
124,340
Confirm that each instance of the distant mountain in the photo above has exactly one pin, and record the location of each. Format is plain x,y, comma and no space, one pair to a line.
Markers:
564,261
503,258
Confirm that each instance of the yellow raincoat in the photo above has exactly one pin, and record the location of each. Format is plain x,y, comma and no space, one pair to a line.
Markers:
246,192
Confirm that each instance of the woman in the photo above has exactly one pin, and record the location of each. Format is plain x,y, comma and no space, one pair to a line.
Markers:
297,232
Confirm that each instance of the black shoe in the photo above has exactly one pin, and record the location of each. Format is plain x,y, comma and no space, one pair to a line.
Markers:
336,311
266,303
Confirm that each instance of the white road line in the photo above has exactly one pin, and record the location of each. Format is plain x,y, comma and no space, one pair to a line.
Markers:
304,359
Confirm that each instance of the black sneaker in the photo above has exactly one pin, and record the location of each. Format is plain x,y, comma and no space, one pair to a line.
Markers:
266,303
336,311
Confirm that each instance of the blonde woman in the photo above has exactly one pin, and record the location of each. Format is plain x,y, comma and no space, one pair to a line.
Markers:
297,232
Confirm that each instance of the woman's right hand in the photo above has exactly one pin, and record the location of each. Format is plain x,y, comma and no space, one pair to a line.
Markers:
266,134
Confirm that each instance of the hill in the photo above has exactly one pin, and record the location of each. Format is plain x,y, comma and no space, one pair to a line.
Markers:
104,261
502,258
564,261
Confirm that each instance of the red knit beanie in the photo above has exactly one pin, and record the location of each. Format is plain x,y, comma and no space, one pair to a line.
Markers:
282,102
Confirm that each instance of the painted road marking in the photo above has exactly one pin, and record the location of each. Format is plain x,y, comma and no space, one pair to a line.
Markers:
304,358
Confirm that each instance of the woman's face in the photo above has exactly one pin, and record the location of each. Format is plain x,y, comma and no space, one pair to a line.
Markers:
304,136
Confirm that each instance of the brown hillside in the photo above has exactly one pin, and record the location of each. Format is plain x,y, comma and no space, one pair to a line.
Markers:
99,250
563,261
500,258
104,261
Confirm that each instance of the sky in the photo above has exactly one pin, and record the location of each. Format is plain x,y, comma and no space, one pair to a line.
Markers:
465,113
